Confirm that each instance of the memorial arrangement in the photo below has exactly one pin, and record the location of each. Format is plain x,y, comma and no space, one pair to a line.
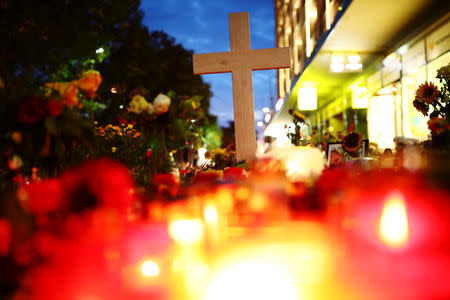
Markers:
101,201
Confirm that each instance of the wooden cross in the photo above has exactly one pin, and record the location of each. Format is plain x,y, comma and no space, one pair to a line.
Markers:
241,60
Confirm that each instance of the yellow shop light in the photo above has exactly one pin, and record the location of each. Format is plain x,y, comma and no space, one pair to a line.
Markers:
360,98
307,98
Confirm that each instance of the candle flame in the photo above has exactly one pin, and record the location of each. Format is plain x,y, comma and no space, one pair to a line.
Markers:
186,231
394,229
149,269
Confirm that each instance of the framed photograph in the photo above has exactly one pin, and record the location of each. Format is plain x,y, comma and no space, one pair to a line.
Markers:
336,154
364,149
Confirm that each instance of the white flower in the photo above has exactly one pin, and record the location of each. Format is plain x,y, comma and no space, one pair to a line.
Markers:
161,104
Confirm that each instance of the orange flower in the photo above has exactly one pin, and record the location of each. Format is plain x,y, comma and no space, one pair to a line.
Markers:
69,93
101,131
53,85
90,81
427,92
67,90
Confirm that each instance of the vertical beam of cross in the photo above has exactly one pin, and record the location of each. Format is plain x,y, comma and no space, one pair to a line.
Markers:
240,61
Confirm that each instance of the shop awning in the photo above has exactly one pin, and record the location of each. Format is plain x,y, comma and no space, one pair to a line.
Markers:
369,29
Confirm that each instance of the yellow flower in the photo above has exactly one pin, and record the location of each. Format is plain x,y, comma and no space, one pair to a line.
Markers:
302,117
95,122
427,92
130,126
195,104
138,104
113,149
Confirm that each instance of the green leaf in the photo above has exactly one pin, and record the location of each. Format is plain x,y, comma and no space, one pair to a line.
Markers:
92,106
171,94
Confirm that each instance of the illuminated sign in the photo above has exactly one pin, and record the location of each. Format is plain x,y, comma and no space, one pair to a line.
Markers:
345,63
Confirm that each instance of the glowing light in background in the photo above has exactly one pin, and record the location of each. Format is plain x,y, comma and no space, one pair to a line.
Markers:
307,98
259,124
394,228
353,59
149,269
252,279
186,231
210,214
266,110
402,50
99,50
279,104
337,59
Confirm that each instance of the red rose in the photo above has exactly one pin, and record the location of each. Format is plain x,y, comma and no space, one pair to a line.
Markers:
438,125
208,176
54,107
31,110
109,182
166,182
41,196
234,173
165,179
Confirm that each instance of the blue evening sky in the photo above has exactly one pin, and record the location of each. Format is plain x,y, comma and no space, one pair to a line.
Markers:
202,26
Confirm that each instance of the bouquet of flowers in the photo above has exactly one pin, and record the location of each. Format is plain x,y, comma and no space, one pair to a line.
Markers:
434,102
294,133
41,126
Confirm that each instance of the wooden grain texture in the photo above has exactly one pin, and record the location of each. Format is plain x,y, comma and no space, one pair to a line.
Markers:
240,61
225,62
244,115
239,31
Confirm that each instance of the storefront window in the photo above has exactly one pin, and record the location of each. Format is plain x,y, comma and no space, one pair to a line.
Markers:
414,123
380,121
435,65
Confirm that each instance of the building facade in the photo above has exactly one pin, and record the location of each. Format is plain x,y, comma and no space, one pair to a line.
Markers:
362,62
300,24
